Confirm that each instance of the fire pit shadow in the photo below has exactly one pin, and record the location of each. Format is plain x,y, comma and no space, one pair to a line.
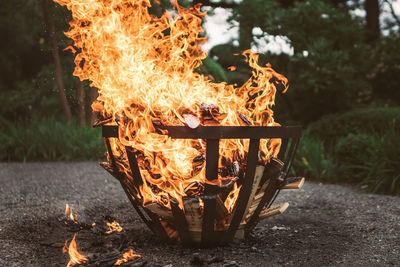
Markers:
204,220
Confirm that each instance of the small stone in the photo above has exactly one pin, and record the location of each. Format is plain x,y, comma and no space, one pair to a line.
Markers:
196,260
231,264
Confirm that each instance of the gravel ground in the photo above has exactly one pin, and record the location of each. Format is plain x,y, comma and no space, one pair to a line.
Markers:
325,225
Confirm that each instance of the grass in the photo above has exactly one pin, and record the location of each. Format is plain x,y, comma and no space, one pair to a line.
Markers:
49,140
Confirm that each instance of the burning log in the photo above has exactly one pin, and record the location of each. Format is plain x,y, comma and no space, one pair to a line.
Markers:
245,120
193,217
159,210
191,121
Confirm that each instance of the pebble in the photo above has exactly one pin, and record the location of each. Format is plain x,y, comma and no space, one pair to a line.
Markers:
231,264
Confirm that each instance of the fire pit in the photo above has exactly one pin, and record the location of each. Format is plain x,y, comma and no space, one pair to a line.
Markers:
204,219
199,160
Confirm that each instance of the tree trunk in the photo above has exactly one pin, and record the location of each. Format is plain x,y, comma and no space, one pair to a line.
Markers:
93,97
372,19
54,49
245,35
80,95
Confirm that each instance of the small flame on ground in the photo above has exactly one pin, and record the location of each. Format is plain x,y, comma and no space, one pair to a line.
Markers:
75,257
127,256
113,227
69,214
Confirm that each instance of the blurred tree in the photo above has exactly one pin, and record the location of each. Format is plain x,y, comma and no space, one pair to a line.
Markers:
330,63
80,95
372,19
56,57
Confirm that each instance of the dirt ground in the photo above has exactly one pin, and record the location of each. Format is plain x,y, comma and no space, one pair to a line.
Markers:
325,225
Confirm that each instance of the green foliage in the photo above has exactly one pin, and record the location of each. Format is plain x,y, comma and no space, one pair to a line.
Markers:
48,140
372,161
330,61
312,160
359,147
385,76
372,121
212,68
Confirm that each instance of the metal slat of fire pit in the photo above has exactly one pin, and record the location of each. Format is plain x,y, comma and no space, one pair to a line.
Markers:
210,203
245,191
221,132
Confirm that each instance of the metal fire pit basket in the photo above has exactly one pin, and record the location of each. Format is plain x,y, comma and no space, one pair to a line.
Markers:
289,135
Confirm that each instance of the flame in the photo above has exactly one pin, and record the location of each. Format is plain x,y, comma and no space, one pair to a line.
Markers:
113,227
127,256
144,68
69,214
74,256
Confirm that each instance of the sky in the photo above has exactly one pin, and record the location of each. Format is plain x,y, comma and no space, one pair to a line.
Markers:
219,31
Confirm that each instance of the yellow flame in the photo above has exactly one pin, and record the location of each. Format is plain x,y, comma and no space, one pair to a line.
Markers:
69,214
75,257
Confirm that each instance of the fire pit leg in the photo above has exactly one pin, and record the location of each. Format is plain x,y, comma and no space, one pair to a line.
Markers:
210,203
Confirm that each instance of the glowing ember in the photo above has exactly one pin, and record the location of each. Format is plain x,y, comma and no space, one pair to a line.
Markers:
144,67
113,227
74,256
127,256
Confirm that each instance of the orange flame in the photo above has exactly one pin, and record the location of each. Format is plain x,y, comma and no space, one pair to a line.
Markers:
144,68
127,256
74,256
69,214
113,227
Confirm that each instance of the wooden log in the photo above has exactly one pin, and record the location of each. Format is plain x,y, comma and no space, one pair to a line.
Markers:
272,170
257,178
294,183
275,210
193,217
159,210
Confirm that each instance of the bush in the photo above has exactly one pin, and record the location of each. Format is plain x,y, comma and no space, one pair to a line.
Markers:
359,147
49,140
312,161
372,161
372,121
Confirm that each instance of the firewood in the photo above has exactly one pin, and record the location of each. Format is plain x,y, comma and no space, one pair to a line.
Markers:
159,210
275,210
257,178
272,170
101,122
244,119
191,121
293,183
193,214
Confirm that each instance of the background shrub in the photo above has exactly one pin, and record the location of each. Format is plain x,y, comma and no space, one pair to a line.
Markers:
373,121
49,140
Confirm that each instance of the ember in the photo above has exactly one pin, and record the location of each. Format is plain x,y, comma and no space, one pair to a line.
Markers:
183,147
127,256
113,227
